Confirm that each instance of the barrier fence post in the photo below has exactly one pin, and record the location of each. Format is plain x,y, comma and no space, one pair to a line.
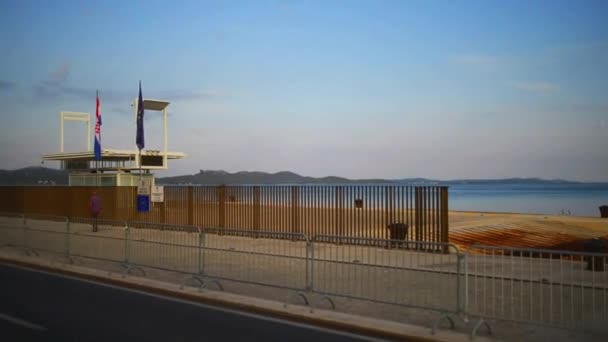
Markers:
67,238
201,254
25,233
127,236
466,286
308,278
460,258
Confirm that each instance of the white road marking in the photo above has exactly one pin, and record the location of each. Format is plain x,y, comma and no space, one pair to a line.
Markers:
21,323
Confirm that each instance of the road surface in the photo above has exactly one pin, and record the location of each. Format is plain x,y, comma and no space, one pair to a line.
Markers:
41,306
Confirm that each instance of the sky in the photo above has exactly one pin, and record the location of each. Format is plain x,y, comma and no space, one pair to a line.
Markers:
360,89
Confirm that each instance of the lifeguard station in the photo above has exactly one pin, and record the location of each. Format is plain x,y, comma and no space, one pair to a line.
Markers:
116,167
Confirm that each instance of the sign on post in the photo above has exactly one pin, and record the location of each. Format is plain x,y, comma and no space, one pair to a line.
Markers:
158,194
143,186
143,196
143,203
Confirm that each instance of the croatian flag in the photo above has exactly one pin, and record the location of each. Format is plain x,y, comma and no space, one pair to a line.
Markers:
139,138
98,130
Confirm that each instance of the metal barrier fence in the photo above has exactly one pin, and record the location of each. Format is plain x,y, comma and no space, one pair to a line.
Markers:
164,246
11,226
48,233
107,243
545,287
262,258
415,274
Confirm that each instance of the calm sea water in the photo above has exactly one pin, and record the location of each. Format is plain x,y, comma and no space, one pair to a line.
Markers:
550,199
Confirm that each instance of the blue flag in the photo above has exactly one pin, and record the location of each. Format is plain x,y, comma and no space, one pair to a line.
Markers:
139,139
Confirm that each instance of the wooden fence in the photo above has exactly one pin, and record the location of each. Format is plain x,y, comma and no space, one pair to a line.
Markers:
343,210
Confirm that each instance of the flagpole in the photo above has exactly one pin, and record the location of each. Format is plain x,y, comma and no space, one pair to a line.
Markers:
139,122
96,120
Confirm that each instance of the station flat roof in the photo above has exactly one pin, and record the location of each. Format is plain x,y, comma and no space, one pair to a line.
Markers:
110,154
151,104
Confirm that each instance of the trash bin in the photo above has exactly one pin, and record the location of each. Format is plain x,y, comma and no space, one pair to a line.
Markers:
595,263
604,211
397,231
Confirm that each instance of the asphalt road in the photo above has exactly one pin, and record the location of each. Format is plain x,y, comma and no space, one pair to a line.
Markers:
41,306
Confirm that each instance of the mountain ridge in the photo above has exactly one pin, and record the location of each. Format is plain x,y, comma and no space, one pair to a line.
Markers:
37,175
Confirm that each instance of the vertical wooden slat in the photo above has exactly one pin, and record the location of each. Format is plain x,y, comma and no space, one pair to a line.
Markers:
190,201
284,226
428,212
427,216
378,231
330,223
273,208
295,206
444,214
339,213
437,214
431,209
256,208
221,191
348,213
408,209
386,209
417,212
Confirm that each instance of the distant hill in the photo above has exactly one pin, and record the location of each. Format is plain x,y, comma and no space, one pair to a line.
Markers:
254,177
510,181
42,175
34,176
286,177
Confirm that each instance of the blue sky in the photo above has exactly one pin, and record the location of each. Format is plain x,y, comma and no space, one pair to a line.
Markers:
436,89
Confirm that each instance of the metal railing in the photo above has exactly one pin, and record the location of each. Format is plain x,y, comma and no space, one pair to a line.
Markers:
48,233
256,257
106,244
542,287
163,246
416,274
12,226
561,289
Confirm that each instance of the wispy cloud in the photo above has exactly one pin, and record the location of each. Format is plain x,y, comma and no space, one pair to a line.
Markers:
120,110
477,60
56,84
536,87
59,75
7,85
187,95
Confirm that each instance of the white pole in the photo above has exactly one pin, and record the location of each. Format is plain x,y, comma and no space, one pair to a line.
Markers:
165,135
96,161
61,140
89,133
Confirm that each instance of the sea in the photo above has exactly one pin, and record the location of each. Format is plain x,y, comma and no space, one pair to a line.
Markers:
576,199
572,199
